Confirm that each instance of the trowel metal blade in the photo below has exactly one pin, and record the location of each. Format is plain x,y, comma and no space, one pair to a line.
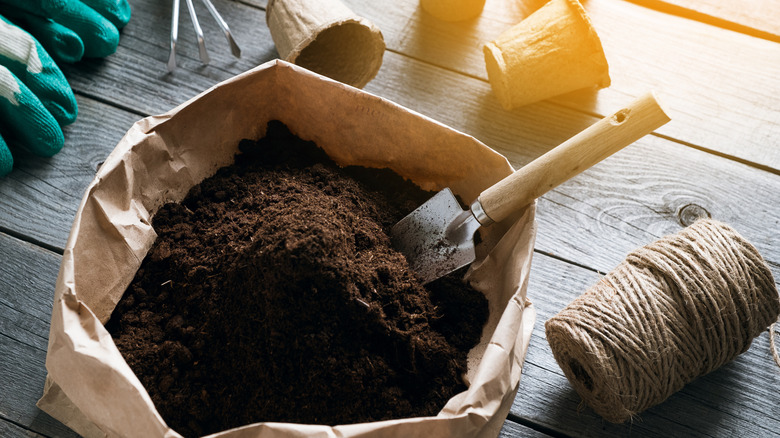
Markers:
436,238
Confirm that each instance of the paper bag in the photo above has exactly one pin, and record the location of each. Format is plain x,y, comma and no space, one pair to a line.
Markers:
92,389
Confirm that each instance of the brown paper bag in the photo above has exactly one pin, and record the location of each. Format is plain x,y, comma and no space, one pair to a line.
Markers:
92,389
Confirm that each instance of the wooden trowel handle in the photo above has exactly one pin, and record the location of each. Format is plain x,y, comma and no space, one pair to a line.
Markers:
576,154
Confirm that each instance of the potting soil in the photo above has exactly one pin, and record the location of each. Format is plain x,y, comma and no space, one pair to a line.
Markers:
272,293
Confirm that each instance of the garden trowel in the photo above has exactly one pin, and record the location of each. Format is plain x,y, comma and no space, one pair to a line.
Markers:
438,237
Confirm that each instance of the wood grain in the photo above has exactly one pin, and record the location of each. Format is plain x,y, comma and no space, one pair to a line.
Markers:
602,214
587,148
512,429
595,219
41,195
719,85
628,200
28,273
637,196
646,49
135,77
10,430
759,18
736,400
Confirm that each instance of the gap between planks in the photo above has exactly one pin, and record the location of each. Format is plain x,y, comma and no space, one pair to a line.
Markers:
762,21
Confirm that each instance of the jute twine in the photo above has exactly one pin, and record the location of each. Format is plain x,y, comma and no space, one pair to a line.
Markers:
671,311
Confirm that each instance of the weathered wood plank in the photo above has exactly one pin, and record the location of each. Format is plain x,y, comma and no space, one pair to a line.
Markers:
719,85
595,219
760,18
678,180
136,76
23,376
256,3
636,196
515,430
720,92
737,400
622,203
40,196
10,430
27,276
28,273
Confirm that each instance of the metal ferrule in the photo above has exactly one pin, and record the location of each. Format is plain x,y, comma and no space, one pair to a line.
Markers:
479,213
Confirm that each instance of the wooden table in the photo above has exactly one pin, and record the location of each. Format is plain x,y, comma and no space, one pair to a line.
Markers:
718,72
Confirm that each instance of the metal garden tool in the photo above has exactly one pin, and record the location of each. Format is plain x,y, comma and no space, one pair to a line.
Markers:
204,55
438,237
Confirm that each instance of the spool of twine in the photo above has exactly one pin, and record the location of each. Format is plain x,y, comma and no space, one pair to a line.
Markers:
672,311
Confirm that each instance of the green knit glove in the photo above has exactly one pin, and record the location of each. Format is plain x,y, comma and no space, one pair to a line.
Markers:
71,29
35,98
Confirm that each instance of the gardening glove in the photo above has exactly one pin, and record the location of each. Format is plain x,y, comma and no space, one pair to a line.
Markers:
35,98
71,29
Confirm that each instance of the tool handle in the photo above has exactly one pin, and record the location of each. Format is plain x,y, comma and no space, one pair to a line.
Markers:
597,142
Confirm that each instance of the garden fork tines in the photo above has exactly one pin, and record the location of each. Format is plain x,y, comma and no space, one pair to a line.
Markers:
204,56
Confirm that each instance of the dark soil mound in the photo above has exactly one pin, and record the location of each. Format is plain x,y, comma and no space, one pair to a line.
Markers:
272,294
